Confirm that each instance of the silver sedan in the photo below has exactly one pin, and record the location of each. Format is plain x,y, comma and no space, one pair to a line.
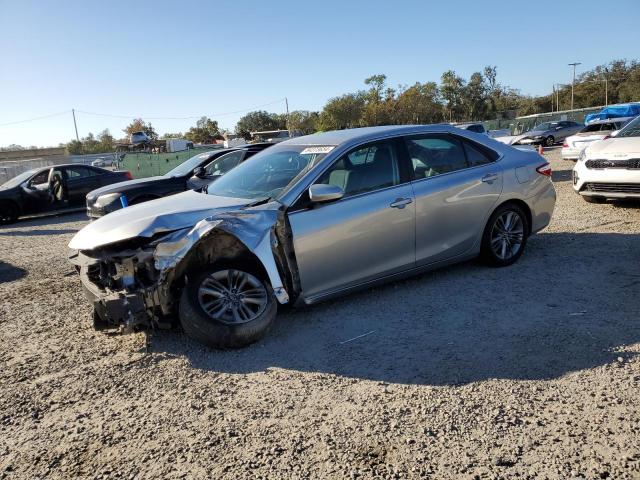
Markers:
308,219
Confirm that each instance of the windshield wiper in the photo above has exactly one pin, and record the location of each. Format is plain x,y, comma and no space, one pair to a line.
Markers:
262,201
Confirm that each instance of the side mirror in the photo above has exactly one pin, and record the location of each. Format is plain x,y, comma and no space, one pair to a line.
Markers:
614,133
320,193
199,172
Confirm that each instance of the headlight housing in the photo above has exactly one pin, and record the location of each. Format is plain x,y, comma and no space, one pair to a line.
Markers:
583,155
107,199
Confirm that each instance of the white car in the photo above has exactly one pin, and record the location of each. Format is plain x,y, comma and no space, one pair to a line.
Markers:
610,168
597,130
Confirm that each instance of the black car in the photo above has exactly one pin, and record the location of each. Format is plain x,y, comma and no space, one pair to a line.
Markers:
192,174
52,188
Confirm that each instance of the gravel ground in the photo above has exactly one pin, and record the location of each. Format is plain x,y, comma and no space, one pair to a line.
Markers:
526,372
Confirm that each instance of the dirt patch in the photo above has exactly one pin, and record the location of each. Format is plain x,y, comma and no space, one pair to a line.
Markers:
530,371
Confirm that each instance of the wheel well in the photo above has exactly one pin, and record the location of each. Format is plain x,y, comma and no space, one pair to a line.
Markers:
219,248
523,206
13,204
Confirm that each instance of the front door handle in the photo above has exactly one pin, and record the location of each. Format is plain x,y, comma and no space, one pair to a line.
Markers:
401,202
490,177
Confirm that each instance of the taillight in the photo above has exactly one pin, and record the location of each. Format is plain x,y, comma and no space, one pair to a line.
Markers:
565,145
607,137
544,169
128,175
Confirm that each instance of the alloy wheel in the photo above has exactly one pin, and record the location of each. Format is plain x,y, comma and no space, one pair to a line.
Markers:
232,296
507,235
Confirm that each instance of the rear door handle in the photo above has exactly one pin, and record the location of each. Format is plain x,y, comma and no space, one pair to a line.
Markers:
401,202
490,177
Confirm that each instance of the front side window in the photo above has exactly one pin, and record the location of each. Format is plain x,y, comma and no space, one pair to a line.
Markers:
40,179
365,169
223,164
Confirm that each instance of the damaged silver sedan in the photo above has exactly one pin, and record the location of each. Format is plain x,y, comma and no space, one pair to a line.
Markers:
309,219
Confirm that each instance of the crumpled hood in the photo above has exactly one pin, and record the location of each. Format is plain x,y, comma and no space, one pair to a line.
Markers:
149,218
616,147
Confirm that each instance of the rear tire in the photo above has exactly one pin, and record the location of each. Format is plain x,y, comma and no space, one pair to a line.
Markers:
593,199
8,213
226,310
505,236
549,141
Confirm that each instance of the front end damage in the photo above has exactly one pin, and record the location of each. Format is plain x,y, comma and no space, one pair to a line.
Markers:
136,283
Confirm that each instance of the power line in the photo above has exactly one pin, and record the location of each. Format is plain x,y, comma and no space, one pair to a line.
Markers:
189,117
35,118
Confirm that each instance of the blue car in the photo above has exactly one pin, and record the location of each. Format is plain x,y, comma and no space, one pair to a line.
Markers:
614,111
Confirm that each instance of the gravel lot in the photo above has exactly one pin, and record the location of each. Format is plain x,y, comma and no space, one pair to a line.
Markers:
526,372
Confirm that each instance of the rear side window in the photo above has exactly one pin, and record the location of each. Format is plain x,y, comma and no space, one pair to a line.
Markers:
478,155
435,155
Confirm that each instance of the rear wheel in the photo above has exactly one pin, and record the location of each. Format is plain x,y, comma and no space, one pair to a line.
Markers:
227,308
8,213
593,199
505,236
549,141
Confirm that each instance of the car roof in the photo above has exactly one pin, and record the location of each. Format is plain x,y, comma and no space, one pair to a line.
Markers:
338,137
611,120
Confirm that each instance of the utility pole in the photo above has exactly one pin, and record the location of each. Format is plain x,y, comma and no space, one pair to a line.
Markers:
553,94
286,102
75,125
606,87
574,64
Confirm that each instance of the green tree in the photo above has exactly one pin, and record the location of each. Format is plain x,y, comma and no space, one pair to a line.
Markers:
260,121
107,142
205,131
166,136
451,89
305,121
343,112
419,104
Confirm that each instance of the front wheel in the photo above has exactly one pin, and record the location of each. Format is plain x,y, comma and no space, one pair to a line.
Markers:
549,141
8,213
227,308
505,236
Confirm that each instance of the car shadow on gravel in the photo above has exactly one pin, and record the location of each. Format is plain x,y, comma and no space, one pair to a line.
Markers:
569,304
48,220
9,273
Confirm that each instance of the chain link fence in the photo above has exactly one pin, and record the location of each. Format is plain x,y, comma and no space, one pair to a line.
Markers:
142,165
523,124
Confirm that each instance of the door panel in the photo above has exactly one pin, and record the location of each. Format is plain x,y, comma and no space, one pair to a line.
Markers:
354,240
451,211
80,181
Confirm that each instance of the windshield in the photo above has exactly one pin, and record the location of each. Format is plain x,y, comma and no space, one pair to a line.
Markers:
15,181
632,129
186,167
545,126
269,172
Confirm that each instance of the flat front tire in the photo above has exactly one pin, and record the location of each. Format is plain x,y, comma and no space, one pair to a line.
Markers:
227,307
505,236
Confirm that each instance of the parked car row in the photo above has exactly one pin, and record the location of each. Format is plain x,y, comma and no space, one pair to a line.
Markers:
303,221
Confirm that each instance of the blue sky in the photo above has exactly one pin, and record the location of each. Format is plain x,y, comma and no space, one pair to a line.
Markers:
187,58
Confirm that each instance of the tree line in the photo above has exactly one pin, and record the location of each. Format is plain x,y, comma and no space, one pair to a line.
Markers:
452,99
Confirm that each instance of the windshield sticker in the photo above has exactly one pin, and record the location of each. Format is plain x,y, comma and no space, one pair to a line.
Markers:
323,149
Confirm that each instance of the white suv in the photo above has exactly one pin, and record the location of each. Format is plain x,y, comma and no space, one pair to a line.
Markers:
610,168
